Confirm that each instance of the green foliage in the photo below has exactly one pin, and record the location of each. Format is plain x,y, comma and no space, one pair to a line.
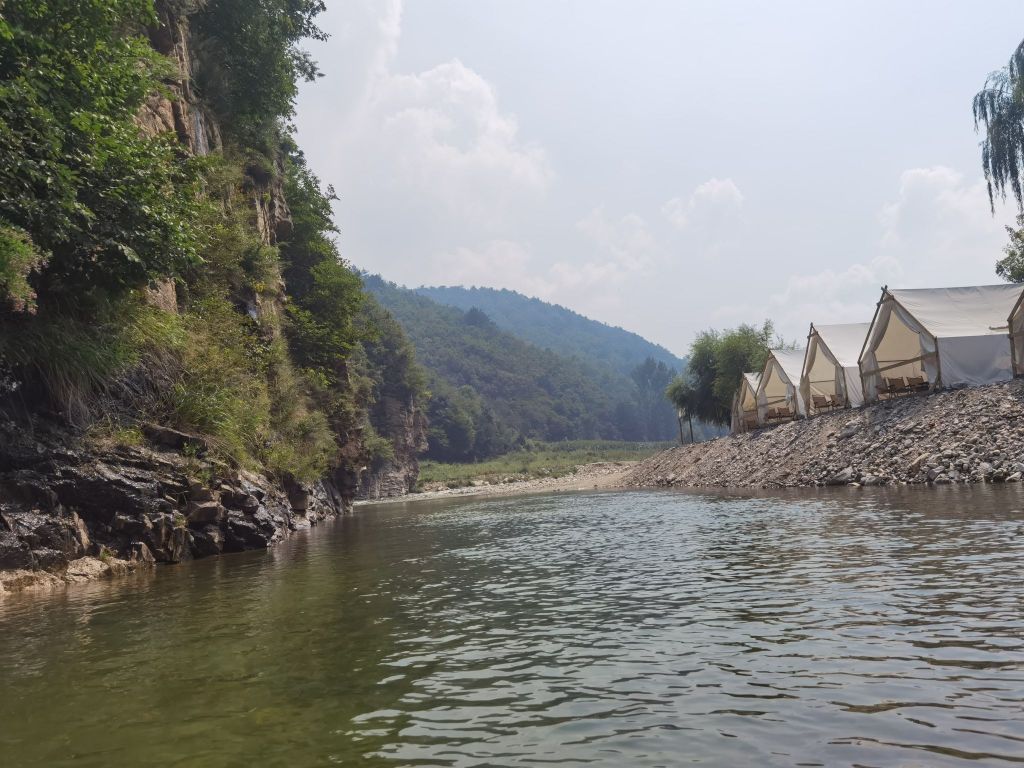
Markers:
999,108
535,392
655,415
325,295
18,258
611,355
66,363
272,370
716,362
108,208
249,62
1011,266
490,390
556,328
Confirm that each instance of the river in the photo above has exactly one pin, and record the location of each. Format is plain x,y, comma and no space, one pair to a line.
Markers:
863,627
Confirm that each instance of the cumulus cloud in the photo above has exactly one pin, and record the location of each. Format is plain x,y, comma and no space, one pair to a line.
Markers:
428,165
716,201
627,239
937,231
496,264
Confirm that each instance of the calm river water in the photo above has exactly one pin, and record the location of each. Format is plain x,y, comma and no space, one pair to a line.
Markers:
605,629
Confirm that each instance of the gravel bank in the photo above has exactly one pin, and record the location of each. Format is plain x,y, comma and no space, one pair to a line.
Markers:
958,436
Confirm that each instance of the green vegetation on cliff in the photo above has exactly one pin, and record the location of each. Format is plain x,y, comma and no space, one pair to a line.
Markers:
146,279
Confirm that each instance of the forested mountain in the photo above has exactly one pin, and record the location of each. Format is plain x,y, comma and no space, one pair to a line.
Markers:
491,389
556,328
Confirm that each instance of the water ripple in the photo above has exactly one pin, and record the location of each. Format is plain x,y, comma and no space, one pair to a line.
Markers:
643,629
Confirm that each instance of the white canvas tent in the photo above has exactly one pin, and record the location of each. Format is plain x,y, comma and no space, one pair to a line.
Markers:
780,383
1016,326
947,336
831,367
744,403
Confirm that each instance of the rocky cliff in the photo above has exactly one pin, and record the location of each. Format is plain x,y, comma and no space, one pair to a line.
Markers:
64,498
75,505
404,424
958,436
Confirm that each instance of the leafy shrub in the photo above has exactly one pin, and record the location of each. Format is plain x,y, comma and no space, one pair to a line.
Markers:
110,208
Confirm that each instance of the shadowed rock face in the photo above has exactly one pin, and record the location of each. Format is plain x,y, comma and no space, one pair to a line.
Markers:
401,421
61,499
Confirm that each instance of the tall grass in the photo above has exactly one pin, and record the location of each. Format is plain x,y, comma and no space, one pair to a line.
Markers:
536,461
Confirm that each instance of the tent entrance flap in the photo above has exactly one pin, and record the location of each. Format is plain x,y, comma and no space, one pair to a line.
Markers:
831,374
949,336
780,384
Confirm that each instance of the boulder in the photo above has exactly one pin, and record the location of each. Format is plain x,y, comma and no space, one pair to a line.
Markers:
138,552
205,512
208,541
842,477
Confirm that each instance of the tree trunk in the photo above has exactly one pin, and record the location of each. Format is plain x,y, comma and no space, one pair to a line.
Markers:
689,420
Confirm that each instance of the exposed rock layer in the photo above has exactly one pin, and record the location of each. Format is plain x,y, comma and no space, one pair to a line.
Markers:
402,422
62,499
959,436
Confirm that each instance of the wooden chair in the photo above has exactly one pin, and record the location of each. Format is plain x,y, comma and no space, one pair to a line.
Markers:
897,385
821,403
783,412
916,383
836,402
884,392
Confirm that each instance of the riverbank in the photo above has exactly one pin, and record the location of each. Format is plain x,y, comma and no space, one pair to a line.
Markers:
585,477
958,436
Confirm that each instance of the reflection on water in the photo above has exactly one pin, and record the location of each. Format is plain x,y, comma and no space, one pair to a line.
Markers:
643,629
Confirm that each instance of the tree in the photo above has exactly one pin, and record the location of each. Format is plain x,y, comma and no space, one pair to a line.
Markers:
89,207
999,107
717,361
1011,266
683,395
651,378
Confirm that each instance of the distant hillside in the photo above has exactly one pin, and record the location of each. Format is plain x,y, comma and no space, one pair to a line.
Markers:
492,389
556,328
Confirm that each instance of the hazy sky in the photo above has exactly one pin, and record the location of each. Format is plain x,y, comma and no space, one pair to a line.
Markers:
663,166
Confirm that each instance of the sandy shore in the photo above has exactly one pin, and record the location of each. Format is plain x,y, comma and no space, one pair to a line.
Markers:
588,477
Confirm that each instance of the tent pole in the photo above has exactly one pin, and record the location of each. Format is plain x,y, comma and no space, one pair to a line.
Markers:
1013,343
864,346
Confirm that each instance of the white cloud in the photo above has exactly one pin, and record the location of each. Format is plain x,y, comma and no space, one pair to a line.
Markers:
938,231
495,264
715,202
627,239
428,165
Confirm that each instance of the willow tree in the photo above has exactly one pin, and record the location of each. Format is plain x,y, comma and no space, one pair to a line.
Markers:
999,110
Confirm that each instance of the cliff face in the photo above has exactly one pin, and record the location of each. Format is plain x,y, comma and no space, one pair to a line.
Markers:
71,504
402,422
63,499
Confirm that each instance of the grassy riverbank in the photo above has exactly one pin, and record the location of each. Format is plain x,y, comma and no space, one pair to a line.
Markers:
542,460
